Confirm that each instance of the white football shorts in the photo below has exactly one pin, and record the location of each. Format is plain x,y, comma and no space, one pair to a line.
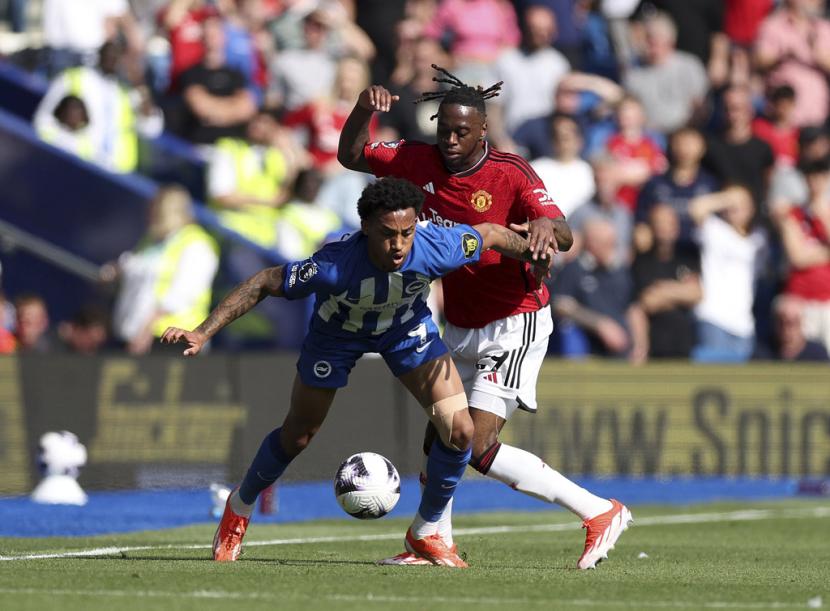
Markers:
499,363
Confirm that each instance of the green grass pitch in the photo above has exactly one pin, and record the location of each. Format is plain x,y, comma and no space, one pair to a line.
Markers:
727,556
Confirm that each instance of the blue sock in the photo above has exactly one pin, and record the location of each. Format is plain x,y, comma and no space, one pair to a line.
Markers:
445,468
268,464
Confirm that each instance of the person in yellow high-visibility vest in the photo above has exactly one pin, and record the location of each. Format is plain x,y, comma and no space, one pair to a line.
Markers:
117,113
249,179
167,280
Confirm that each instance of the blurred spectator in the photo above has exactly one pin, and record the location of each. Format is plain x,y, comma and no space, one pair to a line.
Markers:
7,323
477,31
303,225
605,206
183,21
793,48
566,174
667,287
731,256
778,128
248,179
684,181
530,74
16,13
117,114
597,295
377,18
414,75
805,234
790,344
788,186
322,119
671,84
217,103
32,325
166,281
638,156
701,33
74,31
248,43
86,332
302,75
588,98
571,19
742,18
70,131
736,156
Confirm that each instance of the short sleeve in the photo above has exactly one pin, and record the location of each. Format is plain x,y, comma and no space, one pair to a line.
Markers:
317,274
448,248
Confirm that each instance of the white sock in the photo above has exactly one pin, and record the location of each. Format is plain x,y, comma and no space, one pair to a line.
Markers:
421,528
240,507
529,474
445,521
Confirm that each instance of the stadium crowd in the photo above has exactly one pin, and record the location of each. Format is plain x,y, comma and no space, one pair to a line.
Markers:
687,142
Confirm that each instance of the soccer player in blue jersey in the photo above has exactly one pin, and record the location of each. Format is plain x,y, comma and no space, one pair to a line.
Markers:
370,289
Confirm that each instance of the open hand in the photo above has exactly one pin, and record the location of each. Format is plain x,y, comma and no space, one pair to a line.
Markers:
193,339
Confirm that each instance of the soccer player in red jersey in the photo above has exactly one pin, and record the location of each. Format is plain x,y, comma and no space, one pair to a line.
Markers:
497,310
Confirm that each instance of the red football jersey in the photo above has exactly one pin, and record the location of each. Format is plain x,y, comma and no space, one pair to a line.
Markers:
501,189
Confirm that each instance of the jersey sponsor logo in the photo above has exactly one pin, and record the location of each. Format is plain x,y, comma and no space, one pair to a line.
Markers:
429,188
292,278
322,369
481,200
415,287
436,219
469,244
544,197
307,271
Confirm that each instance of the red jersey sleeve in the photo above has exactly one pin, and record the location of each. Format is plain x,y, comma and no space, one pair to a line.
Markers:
535,201
388,158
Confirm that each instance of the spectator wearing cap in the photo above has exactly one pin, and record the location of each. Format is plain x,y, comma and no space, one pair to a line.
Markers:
793,48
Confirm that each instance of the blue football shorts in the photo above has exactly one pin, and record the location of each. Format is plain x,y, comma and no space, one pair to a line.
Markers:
326,361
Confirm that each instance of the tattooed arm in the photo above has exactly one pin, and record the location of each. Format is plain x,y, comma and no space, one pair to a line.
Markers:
235,304
511,244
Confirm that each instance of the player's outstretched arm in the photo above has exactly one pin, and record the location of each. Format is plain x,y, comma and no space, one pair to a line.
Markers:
355,134
511,244
241,299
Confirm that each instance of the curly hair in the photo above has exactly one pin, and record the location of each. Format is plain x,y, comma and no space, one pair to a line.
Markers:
387,195
460,93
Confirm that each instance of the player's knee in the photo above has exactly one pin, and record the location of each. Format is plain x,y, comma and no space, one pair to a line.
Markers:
483,440
462,433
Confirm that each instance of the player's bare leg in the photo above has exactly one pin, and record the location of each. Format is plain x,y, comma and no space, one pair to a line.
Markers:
437,386
309,407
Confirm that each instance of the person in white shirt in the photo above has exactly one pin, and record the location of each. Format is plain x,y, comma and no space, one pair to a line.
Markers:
117,113
566,175
166,280
731,255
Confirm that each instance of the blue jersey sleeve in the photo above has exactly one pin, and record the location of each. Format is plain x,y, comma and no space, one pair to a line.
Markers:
445,249
317,274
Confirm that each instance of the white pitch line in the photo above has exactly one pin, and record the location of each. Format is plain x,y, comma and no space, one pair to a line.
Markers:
683,518
384,599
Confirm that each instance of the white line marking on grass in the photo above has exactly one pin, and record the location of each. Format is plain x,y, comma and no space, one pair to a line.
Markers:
682,518
385,599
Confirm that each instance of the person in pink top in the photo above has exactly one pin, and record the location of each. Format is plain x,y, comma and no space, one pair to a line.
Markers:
793,47
478,31
638,156
805,235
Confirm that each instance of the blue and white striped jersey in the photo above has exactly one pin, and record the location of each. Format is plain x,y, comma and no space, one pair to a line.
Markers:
355,299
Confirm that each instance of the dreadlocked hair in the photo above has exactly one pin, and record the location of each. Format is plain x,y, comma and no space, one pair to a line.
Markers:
460,92
387,195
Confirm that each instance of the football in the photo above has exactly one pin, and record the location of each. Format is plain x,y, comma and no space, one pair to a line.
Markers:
367,486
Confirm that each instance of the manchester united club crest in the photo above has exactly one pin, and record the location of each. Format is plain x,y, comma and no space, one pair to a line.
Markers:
481,200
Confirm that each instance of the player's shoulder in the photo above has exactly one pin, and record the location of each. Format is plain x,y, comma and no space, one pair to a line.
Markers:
512,165
336,250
